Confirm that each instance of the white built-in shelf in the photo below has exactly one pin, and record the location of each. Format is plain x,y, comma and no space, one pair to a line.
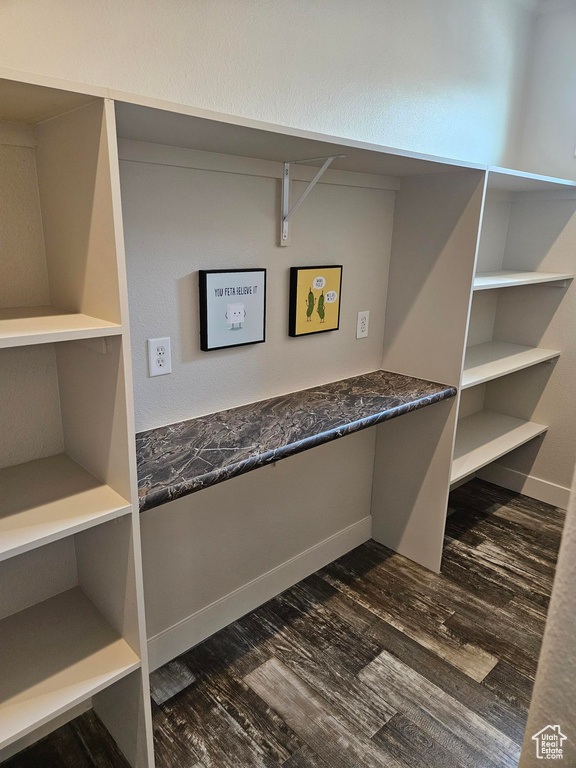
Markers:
30,104
55,655
159,122
508,278
44,500
485,436
508,180
493,359
40,325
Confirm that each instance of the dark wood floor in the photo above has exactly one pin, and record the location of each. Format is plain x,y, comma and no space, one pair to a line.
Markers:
372,661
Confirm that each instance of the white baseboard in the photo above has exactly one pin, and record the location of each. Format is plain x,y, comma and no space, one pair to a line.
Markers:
557,495
187,633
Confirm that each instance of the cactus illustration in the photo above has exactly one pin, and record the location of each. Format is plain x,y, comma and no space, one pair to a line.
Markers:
321,311
310,306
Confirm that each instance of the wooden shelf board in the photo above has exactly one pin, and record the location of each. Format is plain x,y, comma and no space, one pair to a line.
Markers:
508,278
56,655
176,125
40,325
493,359
508,180
486,436
48,499
31,104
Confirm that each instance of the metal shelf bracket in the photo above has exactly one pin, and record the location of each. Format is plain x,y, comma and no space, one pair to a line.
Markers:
286,212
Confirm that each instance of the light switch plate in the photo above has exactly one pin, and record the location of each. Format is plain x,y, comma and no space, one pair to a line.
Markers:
362,324
159,357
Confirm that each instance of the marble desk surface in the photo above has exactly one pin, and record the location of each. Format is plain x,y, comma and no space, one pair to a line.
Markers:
185,457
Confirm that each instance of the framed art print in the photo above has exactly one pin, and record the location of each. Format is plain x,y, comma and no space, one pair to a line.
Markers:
314,299
232,307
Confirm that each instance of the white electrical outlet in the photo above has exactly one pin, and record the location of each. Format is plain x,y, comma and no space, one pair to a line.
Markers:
362,324
159,357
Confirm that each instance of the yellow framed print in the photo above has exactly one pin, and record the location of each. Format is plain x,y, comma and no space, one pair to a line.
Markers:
314,299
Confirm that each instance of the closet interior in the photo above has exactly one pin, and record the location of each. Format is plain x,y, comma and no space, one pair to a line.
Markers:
478,296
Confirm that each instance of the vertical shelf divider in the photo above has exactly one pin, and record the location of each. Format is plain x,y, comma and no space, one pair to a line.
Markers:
434,249
131,695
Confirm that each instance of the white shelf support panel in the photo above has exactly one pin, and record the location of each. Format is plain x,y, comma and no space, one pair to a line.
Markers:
510,278
485,436
286,211
485,362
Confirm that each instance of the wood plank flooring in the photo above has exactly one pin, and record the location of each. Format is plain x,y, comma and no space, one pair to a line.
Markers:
372,661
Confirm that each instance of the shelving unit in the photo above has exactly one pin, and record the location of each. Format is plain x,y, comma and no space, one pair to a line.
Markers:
486,436
488,361
521,245
71,610
509,278
73,630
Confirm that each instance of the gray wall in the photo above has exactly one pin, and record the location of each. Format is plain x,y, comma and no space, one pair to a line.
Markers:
548,134
212,556
179,220
443,77
553,700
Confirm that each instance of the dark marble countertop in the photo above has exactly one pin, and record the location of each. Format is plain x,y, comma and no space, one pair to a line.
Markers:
188,456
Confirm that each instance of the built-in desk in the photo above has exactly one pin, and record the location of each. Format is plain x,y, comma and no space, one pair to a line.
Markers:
185,457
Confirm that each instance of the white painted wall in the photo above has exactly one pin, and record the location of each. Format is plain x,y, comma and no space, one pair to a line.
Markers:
178,220
211,557
28,372
201,549
37,575
548,126
24,276
441,77
32,431
553,700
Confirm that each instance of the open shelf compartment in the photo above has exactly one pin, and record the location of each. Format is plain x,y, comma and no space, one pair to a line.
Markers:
55,655
71,627
488,361
63,445
510,278
46,499
485,436
59,276
41,325
526,239
514,181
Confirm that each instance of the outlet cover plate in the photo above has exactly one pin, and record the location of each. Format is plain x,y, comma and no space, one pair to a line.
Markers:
159,356
362,324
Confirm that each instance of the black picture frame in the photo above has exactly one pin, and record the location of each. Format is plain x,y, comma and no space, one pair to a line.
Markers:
203,275
294,272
